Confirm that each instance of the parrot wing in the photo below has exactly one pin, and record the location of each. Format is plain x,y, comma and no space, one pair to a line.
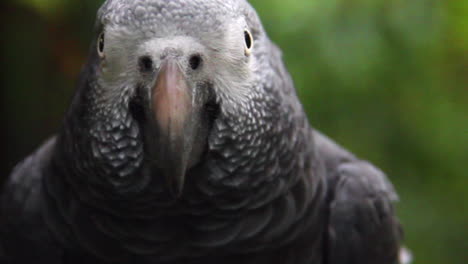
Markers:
362,225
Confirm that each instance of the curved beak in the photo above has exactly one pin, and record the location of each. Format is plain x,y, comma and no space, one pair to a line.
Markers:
176,118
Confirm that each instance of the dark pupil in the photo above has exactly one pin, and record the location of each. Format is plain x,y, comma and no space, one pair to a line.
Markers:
248,40
101,43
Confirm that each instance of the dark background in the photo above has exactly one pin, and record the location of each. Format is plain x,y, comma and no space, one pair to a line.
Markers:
388,79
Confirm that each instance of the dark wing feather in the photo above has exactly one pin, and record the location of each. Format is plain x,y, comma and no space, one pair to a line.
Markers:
23,234
363,228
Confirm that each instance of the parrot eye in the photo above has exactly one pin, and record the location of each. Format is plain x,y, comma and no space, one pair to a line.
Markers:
248,42
100,45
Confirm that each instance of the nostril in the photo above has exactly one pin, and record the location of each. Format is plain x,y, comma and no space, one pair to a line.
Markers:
146,64
195,61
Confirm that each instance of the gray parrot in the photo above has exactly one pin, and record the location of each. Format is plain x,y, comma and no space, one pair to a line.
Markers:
185,142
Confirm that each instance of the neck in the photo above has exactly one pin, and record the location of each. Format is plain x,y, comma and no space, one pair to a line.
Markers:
195,225
212,213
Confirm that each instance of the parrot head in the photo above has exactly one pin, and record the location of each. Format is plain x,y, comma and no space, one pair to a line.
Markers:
166,78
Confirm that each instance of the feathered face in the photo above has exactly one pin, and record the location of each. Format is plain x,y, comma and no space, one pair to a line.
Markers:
175,66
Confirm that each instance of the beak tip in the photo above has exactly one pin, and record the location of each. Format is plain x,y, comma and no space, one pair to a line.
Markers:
175,182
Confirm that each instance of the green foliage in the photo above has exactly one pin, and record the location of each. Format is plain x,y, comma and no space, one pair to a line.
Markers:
387,79
45,7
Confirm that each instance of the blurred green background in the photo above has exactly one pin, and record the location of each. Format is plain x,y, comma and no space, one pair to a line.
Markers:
387,79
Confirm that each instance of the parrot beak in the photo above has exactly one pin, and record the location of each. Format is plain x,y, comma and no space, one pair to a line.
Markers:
176,118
